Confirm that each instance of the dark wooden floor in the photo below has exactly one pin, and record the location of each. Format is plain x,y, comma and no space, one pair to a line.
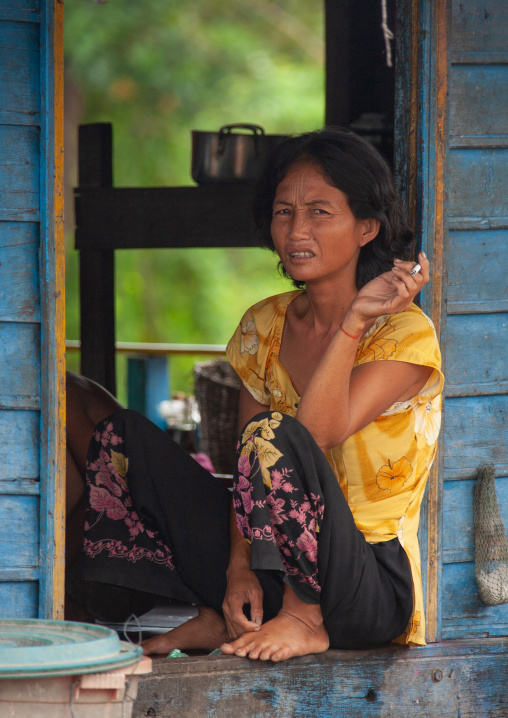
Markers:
465,678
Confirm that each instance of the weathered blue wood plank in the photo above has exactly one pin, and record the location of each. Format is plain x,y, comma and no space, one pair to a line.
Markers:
452,679
427,145
477,223
479,58
19,532
479,141
485,288
20,371
52,456
479,27
18,574
19,599
22,5
19,272
476,349
477,183
458,524
464,613
15,15
20,11
19,445
19,173
18,36
19,74
475,434
25,487
479,100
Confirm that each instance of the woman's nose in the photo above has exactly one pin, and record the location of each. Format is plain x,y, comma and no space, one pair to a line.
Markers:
299,226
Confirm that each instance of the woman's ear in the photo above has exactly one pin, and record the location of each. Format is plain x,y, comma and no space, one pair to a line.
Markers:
369,230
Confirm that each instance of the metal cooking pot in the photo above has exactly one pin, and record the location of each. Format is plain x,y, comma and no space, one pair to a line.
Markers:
230,156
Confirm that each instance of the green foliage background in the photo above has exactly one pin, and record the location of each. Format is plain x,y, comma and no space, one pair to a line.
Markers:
156,70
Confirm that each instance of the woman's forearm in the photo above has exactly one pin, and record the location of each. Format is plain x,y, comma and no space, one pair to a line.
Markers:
239,557
243,587
339,400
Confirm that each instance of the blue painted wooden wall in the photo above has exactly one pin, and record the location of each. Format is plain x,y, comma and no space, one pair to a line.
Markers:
476,300
452,162
31,306
471,275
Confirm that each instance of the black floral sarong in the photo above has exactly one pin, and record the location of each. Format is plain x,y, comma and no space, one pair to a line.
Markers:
158,522
151,511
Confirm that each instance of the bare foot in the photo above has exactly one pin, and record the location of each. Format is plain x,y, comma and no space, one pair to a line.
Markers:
203,632
285,636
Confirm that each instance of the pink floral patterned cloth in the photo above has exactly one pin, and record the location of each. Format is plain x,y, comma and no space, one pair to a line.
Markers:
274,512
110,504
157,522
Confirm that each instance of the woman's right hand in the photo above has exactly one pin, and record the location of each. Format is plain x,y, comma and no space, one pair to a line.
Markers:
243,588
389,293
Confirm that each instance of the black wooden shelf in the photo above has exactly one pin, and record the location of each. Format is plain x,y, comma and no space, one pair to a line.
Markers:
110,218
216,215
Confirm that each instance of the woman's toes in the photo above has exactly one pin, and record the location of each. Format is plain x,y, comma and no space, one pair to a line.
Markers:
244,645
254,653
242,651
265,654
279,656
227,648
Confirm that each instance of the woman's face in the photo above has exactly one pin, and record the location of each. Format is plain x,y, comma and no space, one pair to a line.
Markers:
313,228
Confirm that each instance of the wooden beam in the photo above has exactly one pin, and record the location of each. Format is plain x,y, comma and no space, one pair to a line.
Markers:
52,273
217,215
406,106
153,349
454,679
440,118
421,141
97,277
338,78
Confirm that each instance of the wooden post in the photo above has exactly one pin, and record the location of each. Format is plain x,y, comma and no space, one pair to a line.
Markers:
147,386
97,280
421,142
359,83
52,289
338,62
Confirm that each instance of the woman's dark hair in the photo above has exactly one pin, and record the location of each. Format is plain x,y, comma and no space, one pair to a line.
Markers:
355,167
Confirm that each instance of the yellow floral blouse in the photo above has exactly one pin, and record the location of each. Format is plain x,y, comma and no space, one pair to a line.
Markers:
382,469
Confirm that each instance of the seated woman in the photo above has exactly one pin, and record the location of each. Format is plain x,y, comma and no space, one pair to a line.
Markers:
340,412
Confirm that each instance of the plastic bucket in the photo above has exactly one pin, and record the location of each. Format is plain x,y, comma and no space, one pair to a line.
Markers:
59,669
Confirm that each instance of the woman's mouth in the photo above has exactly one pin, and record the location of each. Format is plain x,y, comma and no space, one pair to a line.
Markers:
301,255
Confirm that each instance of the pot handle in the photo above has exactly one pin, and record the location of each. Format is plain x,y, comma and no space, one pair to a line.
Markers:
256,129
226,130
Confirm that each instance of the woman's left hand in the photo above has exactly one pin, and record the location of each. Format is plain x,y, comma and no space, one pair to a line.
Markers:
391,292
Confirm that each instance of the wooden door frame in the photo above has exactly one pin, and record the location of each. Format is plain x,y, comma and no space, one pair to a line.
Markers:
52,285
421,142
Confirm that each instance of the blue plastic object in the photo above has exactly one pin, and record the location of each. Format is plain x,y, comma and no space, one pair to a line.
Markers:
33,648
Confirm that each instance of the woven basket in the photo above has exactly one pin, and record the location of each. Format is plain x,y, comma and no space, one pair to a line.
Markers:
217,390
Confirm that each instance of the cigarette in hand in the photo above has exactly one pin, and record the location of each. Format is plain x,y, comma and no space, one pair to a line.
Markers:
415,270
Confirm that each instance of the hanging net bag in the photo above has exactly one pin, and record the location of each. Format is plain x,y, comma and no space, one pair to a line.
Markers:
491,545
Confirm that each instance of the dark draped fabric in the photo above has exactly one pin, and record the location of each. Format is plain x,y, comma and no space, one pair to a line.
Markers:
157,528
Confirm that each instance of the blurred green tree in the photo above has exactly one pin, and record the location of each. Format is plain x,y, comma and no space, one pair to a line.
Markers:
156,70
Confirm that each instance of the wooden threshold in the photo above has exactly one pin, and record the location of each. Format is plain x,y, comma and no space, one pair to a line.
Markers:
463,678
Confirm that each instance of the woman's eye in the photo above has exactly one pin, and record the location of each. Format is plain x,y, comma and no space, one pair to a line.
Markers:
318,210
282,210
